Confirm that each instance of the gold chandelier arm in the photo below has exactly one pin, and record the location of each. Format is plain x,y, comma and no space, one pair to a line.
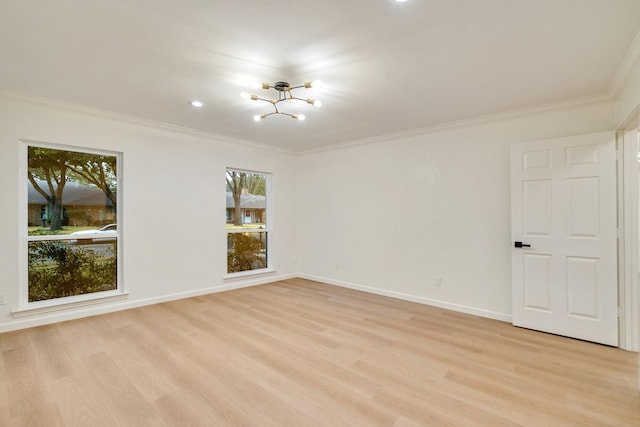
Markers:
284,94
257,98
311,101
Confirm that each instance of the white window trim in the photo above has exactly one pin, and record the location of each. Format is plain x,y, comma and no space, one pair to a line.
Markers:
65,303
26,308
268,229
242,274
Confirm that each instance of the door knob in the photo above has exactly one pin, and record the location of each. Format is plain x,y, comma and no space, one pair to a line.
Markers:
521,245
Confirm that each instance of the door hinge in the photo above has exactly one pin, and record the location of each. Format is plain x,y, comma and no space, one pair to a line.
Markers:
619,234
620,312
618,155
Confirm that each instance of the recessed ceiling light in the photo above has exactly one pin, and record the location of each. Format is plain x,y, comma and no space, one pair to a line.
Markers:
400,1
197,104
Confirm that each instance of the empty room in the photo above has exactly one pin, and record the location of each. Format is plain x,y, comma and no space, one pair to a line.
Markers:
320,213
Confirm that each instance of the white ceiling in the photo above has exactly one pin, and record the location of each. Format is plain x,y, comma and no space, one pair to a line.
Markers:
386,67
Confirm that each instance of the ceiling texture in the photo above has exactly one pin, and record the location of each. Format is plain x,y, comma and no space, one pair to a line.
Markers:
387,67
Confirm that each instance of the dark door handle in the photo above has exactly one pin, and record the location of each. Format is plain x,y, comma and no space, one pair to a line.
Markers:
521,245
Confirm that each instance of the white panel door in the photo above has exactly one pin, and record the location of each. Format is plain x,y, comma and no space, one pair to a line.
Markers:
563,204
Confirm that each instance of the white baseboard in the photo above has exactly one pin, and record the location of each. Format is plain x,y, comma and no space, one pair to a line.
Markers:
413,298
110,307
242,282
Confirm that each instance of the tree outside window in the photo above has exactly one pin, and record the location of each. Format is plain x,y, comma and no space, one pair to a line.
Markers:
247,220
72,236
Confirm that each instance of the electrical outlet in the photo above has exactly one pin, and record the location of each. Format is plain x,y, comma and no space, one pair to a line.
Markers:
437,281
3,298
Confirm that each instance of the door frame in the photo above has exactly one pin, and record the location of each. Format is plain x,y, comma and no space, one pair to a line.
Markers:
628,222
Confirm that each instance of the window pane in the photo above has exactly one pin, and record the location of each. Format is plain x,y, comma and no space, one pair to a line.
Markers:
65,268
246,251
246,200
72,202
246,221
70,191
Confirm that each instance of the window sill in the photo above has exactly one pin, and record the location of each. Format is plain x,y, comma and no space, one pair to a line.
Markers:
249,273
51,306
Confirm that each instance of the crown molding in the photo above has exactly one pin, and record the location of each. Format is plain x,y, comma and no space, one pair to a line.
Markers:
105,114
480,120
630,61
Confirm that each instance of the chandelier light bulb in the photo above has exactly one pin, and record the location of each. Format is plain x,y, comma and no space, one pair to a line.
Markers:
285,96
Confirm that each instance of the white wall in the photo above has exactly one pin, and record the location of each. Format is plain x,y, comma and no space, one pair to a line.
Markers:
174,241
386,216
389,217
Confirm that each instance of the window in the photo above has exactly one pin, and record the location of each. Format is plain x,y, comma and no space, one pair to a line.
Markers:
72,215
247,221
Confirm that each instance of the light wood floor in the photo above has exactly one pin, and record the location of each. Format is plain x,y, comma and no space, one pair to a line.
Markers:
300,353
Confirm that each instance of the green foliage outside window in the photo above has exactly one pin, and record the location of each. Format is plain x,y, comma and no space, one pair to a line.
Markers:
70,192
59,270
246,251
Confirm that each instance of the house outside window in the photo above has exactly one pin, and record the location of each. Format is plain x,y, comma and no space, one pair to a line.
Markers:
71,235
247,221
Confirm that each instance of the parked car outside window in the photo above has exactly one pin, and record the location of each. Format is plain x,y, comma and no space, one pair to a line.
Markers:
107,234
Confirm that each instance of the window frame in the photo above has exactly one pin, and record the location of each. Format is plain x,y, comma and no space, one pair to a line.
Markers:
268,224
25,307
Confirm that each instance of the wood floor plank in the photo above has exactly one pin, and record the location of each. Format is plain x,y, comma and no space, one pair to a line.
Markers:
303,353
79,404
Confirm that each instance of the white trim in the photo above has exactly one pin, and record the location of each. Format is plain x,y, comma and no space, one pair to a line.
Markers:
96,112
242,274
628,251
61,316
95,309
71,236
634,117
621,79
58,304
247,230
340,145
268,225
25,306
23,223
504,115
413,298
491,118
69,147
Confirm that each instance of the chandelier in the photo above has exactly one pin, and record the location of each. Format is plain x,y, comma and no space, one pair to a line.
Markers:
284,92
